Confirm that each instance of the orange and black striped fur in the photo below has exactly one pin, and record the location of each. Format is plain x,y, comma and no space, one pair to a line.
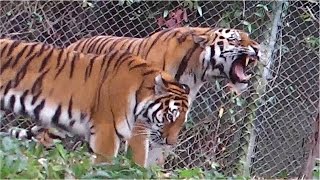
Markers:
192,55
97,97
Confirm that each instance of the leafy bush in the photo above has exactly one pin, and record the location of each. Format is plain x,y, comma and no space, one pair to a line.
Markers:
22,159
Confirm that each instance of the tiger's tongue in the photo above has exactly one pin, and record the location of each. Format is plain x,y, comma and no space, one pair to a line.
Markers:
238,69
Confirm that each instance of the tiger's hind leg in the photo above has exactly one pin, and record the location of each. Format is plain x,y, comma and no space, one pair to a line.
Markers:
104,142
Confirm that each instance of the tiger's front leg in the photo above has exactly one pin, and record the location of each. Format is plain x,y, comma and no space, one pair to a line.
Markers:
104,142
139,145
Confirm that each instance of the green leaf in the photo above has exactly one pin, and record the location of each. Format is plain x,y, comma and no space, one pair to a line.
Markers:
259,14
165,13
239,102
199,9
7,144
248,24
62,151
263,6
189,173
218,85
237,13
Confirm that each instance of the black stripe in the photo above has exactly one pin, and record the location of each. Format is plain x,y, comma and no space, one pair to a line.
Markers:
109,58
124,42
22,72
45,60
74,58
171,35
140,45
114,126
154,113
136,100
82,116
3,49
29,134
154,42
138,66
13,46
7,88
92,46
18,56
56,116
102,46
131,43
149,72
38,109
53,136
35,97
16,134
2,104
184,62
91,42
87,42
114,44
23,106
71,123
78,43
122,59
61,68
59,57
37,85
89,67
5,65
31,50
70,108
12,101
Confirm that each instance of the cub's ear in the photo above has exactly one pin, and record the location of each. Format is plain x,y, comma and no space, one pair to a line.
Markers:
159,87
201,40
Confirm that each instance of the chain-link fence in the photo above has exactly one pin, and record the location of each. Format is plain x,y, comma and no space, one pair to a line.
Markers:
266,132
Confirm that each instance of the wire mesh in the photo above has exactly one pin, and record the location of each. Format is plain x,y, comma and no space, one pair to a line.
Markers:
266,131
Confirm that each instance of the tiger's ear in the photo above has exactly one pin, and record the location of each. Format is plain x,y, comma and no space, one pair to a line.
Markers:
201,40
159,86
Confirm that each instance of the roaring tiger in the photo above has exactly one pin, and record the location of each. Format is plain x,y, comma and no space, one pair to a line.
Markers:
98,97
192,55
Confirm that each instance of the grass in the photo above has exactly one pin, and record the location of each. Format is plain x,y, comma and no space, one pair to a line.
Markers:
29,160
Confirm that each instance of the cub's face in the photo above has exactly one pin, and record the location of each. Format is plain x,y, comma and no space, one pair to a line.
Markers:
173,116
168,111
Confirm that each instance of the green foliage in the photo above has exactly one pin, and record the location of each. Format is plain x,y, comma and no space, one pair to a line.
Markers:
313,42
29,160
316,170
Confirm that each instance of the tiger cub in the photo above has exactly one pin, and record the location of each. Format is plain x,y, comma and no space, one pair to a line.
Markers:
98,97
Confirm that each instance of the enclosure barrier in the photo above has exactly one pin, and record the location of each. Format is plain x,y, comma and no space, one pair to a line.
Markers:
267,131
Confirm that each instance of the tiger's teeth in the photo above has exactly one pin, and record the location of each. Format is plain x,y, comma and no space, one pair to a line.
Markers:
247,61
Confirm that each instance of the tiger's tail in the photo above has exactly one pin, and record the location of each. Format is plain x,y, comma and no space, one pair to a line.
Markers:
38,134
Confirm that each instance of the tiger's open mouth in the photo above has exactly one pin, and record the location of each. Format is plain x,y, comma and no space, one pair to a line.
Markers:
239,67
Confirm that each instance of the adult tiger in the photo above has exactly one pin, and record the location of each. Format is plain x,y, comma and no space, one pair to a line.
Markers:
192,55
97,97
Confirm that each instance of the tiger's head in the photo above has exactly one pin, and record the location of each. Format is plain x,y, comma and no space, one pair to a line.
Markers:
167,111
228,52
